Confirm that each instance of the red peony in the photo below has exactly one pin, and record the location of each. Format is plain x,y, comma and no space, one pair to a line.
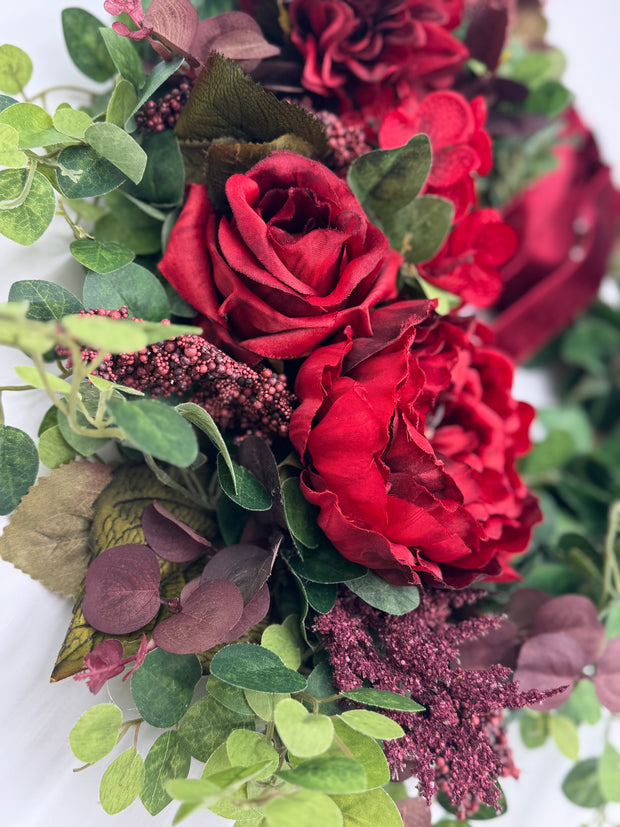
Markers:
565,225
296,261
408,441
350,44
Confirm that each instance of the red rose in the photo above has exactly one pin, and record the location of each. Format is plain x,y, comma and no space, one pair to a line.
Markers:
408,441
296,261
565,225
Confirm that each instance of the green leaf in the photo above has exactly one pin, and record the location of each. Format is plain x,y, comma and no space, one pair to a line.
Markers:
321,596
549,99
156,77
385,181
85,44
564,733
130,285
163,686
370,808
50,419
31,376
121,335
128,224
609,773
365,750
581,785
583,705
304,734
373,724
243,488
84,445
203,420
325,565
71,122
122,103
612,621
419,229
19,465
117,147
168,758
246,749
33,124
125,56
207,724
10,156
15,69
47,300
534,728
122,782
6,101
328,775
232,697
27,221
95,732
378,593
164,177
101,256
573,420
304,808
264,704
254,667
218,763
54,450
301,516
82,173
281,640
382,698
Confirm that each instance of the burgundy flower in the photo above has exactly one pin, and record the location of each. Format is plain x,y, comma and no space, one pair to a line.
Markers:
408,441
295,262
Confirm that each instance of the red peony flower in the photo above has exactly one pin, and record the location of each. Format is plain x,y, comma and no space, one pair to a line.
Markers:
408,441
295,262
460,144
469,262
348,44
565,223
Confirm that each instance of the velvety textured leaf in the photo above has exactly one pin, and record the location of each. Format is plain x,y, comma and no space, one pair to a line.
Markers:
574,615
95,732
131,285
85,44
607,677
243,488
121,104
122,589
232,697
321,596
254,667
169,537
245,748
71,122
378,593
253,613
163,686
175,20
122,782
19,465
328,775
550,661
245,565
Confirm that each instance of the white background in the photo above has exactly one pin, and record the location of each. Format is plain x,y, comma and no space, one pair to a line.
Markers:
37,786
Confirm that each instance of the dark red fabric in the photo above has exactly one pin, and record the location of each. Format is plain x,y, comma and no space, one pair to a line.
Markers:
408,441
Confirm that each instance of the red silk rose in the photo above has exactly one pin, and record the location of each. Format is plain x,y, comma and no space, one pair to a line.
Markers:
565,224
295,262
408,441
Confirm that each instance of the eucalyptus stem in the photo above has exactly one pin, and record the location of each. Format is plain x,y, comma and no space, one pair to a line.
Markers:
166,479
78,231
13,203
611,571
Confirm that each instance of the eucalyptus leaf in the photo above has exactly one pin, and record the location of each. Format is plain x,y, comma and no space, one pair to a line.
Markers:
534,728
117,147
419,229
6,101
85,44
301,516
564,733
243,488
163,686
581,785
370,808
71,122
31,376
328,775
254,667
47,300
382,698
95,733
10,155
305,808
120,335
131,285
168,758
54,450
372,723
125,56
207,724
83,173
303,733
164,177
609,773
33,205
378,593
121,103
203,420
232,697
83,444
122,782
15,69
325,565
156,77
33,124
19,465
100,256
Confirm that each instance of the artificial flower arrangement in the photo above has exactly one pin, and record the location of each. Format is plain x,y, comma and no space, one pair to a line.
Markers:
316,488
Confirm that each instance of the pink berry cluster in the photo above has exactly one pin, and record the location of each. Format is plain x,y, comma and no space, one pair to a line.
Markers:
163,113
347,142
251,402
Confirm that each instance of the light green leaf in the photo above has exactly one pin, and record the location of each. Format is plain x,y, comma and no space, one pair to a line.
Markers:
419,229
85,44
328,775
304,808
101,256
304,734
281,640
201,419
104,385
378,593
54,450
264,704
609,773
168,758
366,809
84,445
122,782
612,621
72,122
122,103
564,733
365,750
15,69
10,156
534,728
207,724
28,220
19,465
33,124
246,748
94,734
125,56
117,147
120,335
31,376
373,724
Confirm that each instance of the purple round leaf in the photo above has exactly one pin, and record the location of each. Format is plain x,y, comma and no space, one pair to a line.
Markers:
607,678
169,537
253,613
547,662
245,565
574,615
523,605
500,645
122,589
414,812
205,619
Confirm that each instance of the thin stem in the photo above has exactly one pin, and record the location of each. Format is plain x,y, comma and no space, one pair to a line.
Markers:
18,388
611,571
78,232
13,203
60,88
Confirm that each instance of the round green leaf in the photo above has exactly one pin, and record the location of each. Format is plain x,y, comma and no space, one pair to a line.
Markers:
609,773
246,748
125,56
378,593
303,733
122,103
84,445
19,465
383,698
95,733
328,775
6,101
131,285
164,177
156,429
365,750
371,808
15,69
163,686
54,451
534,728
47,300
232,697
118,147
85,44
254,667
101,256
564,733
83,173
71,122
243,489
280,639
372,723
122,782
29,220
10,156
581,785
264,704
207,724
33,124
304,808
168,758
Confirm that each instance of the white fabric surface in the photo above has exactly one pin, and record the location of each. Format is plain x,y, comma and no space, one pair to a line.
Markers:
37,786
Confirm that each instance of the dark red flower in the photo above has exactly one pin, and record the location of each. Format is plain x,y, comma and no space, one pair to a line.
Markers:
469,262
408,441
295,262
565,225
349,44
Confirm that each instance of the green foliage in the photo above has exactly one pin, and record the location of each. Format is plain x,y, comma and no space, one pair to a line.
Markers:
121,104
284,640
242,486
116,146
130,285
19,465
304,734
54,450
583,705
232,697
125,57
94,734
382,698
27,204
122,782
168,758
101,256
15,69
581,785
564,733
327,775
373,724
10,155
34,125
120,335
254,667
324,564
534,728
378,593
609,773
85,44
163,686
363,749
245,749
127,223
71,122
370,808
305,808
47,300
33,377
207,724
83,173
164,177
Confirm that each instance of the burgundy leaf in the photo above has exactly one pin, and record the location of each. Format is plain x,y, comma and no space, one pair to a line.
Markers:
169,537
576,616
189,588
205,619
607,678
247,566
550,661
486,35
414,812
500,645
122,589
523,605
145,647
175,20
235,35
253,613
103,663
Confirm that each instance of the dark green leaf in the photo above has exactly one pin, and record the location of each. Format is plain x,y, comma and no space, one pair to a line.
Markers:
581,785
534,728
320,685
128,224
583,705
549,99
232,697
383,698
27,221
119,148
6,101
85,44
124,56
207,724
156,429
243,489
47,300
231,519
419,229
163,686
19,465
325,565
164,177
131,285
50,420
328,775
254,667
101,256
321,596
378,593
82,173
158,75
301,516
168,758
